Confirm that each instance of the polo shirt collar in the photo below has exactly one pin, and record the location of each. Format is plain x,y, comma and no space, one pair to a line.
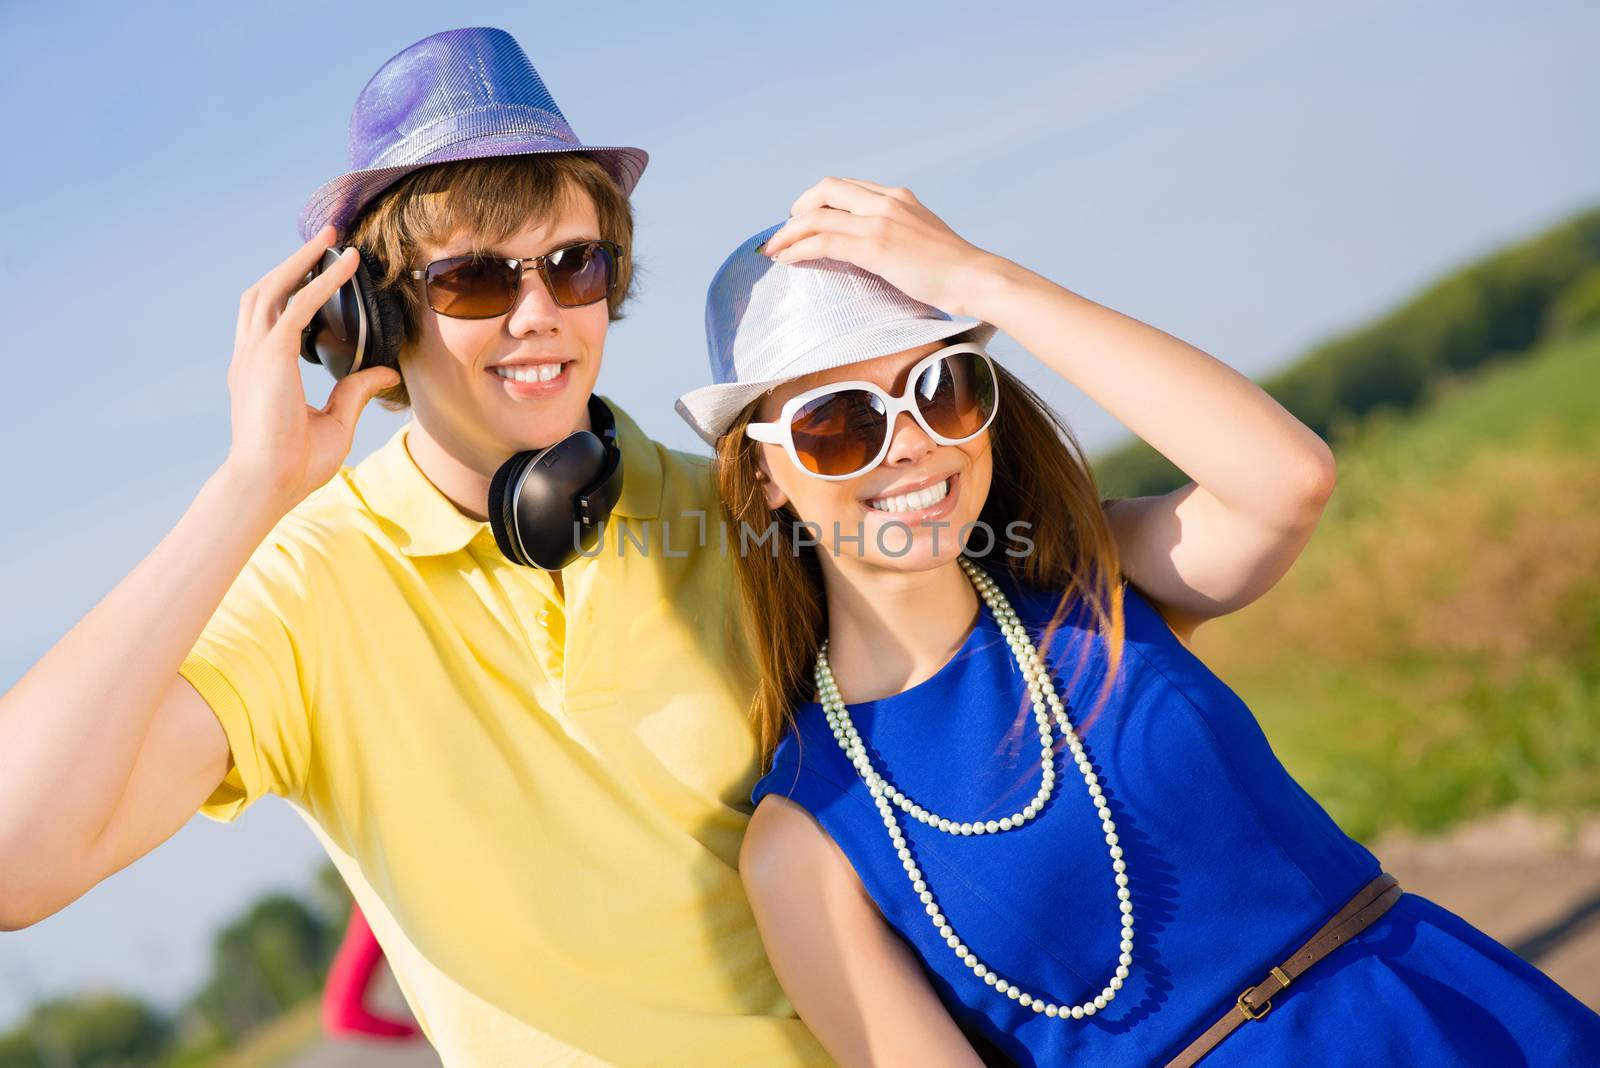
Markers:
429,524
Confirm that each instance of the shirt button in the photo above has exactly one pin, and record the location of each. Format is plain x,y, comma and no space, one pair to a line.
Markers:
543,617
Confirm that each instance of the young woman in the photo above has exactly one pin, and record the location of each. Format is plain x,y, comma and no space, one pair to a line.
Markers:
1010,817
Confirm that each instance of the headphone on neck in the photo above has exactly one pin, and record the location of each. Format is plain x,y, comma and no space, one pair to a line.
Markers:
546,506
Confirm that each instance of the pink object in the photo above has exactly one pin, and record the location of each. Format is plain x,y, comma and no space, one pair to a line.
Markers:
344,1013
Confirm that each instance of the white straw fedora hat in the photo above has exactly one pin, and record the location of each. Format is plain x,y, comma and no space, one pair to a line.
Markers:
768,322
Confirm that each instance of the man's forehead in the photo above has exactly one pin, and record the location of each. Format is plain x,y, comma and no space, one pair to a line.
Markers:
575,222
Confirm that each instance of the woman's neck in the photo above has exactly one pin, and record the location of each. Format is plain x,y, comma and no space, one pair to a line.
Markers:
889,631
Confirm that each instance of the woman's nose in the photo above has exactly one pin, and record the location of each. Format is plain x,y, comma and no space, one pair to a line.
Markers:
908,442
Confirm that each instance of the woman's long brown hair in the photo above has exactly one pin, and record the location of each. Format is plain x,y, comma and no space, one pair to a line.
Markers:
1040,478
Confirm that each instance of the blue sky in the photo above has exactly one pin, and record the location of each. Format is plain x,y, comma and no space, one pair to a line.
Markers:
1251,177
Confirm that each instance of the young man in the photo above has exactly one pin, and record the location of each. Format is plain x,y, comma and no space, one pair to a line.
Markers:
534,782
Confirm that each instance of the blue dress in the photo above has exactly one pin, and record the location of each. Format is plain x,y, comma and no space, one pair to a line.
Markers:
1231,866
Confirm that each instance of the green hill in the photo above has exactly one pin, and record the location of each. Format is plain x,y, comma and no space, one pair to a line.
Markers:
1435,652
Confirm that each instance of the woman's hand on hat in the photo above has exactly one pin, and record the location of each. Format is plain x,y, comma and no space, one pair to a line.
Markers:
283,446
888,231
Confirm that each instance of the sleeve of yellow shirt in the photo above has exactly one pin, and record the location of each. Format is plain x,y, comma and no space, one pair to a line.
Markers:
253,664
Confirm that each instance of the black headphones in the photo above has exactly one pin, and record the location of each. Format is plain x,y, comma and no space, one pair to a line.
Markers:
546,506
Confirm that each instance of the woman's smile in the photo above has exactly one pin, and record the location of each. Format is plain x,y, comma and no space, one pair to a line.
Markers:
920,502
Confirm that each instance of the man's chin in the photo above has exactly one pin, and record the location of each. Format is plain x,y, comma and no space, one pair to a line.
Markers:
544,425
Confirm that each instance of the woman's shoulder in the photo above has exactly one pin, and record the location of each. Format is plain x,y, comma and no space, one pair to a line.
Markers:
769,847
788,850
1037,604
1151,653
1148,652
807,766
1035,600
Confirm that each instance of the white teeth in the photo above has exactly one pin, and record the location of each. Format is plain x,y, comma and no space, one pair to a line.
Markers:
912,502
542,372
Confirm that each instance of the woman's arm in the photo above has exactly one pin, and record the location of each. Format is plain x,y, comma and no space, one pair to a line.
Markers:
105,750
854,981
1261,477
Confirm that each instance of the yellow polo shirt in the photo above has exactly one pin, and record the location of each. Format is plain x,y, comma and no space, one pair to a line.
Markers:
537,800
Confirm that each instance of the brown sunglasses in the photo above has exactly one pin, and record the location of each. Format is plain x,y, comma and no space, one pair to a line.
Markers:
481,287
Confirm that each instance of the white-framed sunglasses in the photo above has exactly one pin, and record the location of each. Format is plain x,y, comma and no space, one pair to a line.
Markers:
843,429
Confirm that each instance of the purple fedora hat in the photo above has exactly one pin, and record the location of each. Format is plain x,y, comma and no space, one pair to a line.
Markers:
460,94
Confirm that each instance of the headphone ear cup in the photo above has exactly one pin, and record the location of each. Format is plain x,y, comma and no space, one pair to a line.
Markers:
501,501
385,320
534,496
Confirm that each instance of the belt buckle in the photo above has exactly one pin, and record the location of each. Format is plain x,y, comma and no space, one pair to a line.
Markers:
1252,1012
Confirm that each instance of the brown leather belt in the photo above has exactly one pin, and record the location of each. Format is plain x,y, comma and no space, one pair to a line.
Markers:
1370,902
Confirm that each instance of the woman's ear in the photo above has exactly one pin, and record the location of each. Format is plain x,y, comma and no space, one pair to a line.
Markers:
775,497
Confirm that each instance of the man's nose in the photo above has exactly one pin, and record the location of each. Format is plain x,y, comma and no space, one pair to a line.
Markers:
535,310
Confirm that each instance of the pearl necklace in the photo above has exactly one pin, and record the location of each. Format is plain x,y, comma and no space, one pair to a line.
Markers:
1042,690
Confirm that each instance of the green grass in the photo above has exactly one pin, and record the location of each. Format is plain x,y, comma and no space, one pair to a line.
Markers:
1435,652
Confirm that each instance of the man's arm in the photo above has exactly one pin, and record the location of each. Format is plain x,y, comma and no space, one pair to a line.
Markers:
104,750
184,756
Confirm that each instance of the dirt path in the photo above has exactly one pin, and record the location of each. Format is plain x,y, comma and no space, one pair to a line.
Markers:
1523,881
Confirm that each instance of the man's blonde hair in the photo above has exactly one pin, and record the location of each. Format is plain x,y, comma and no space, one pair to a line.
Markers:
491,200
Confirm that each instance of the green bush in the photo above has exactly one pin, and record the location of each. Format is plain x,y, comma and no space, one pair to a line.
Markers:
92,1031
